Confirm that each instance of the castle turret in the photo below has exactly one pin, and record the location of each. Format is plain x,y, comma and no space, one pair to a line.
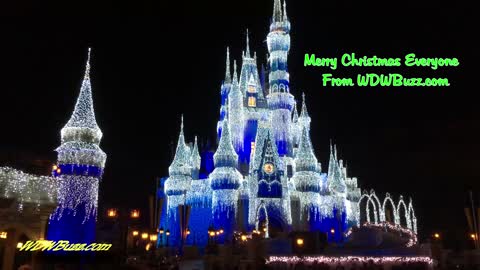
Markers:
307,181
225,181
235,113
304,119
224,91
195,160
280,101
335,197
296,127
80,168
180,172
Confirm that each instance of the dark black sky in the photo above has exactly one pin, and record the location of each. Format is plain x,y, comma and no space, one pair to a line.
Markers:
153,60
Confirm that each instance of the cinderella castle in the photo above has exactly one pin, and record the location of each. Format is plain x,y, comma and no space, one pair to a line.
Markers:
264,174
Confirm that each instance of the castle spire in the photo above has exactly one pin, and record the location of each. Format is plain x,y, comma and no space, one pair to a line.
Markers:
285,18
83,115
181,161
235,76
247,54
304,112
295,114
228,78
195,160
225,156
277,11
305,158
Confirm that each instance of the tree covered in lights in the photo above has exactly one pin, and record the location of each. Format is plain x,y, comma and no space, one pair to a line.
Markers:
78,171
264,172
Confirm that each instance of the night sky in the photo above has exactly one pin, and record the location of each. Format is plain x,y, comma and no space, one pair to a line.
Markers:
154,60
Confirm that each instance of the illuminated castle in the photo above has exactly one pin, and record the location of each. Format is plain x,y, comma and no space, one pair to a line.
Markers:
78,172
264,172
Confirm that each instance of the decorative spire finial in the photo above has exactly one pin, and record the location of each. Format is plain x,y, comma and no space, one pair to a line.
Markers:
248,47
304,112
285,10
181,123
228,78
87,66
235,78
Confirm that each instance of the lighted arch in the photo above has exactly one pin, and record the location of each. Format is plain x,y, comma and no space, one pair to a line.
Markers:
257,220
411,215
384,205
401,203
373,197
373,200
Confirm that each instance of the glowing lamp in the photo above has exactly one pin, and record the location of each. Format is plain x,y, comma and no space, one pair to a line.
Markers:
59,171
135,233
153,237
147,247
211,233
135,213
144,235
244,238
472,236
299,241
436,235
111,213
264,229
188,231
3,235
55,167
221,230
161,231
19,245
332,231
167,233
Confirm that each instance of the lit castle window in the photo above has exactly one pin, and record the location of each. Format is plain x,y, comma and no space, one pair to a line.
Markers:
252,102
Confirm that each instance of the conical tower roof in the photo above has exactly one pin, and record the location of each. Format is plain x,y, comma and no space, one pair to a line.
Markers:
196,159
305,159
225,156
83,115
181,161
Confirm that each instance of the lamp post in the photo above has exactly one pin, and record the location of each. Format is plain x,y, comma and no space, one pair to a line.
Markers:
161,231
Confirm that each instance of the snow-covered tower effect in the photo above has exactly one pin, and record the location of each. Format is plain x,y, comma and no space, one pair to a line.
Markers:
266,176
225,182
224,91
280,101
235,113
79,171
307,181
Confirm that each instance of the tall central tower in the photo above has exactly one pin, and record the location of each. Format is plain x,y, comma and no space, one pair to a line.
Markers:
79,171
279,99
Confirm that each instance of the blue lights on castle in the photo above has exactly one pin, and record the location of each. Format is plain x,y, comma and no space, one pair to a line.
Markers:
264,174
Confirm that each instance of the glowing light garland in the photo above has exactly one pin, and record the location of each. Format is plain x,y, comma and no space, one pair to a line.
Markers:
379,210
27,188
348,259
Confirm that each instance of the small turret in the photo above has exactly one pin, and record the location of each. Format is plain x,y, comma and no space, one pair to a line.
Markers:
181,164
225,155
304,118
235,111
195,160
